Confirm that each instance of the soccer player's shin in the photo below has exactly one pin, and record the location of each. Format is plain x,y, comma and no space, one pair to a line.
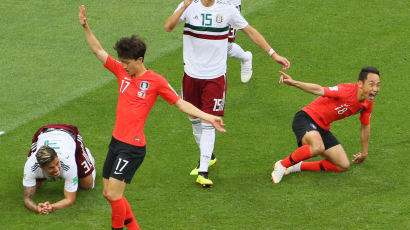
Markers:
206,146
323,165
196,129
130,220
302,153
118,212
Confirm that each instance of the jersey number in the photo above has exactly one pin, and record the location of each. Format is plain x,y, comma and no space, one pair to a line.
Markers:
219,104
120,161
342,109
127,83
206,19
86,166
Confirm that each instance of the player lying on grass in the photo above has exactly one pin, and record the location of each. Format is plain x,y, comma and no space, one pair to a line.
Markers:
138,89
311,125
57,152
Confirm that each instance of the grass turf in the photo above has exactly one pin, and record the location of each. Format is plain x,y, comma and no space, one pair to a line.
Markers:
327,42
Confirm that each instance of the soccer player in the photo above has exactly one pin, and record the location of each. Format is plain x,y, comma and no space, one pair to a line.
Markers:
236,51
138,89
311,125
205,44
57,152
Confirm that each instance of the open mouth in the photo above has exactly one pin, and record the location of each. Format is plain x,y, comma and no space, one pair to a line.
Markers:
372,96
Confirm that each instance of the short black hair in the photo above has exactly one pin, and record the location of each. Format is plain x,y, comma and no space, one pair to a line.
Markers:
130,47
365,71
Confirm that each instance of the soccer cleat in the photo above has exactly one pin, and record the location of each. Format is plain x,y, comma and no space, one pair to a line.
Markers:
194,171
246,68
204,182
293,169
278,172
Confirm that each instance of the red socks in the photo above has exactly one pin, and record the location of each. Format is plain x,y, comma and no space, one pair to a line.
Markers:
323,165
122,214
302,153
130,220
118,211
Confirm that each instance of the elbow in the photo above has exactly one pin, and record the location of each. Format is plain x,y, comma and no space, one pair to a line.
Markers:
168,28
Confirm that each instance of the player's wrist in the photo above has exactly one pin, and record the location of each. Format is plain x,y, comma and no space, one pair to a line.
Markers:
271,52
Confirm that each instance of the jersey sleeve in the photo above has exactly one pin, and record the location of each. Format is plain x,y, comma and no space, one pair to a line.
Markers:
29,178
337,91
238,21
183,16
71,179
366,114
114,66
166,91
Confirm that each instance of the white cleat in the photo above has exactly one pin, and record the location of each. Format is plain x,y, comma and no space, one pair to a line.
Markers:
278,172
293,169
246,68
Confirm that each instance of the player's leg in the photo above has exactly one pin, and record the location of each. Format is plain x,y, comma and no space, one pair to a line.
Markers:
213,102
334,154
310,144
120,166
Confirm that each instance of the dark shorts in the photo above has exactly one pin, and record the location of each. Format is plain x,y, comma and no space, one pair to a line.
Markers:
206,94
303,123
123,160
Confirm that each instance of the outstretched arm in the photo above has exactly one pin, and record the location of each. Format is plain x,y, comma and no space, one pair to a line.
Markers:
308,87
259,40
364,137
188,108
175,18
94,44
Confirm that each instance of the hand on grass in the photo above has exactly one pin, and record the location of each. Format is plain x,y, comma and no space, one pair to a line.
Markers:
359,158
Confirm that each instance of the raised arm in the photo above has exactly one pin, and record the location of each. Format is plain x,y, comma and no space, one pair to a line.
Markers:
188,108
259,40
308,87
364,138
175,18
94,44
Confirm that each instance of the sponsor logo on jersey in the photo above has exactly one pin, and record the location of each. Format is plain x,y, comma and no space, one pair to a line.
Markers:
219,18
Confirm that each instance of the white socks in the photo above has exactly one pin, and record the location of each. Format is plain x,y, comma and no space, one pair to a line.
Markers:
235,51
206,146
196,129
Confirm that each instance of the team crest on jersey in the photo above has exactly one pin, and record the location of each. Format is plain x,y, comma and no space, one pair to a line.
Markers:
219,18
144,85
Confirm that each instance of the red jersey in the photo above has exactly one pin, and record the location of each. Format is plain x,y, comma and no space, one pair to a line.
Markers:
338,102
135,100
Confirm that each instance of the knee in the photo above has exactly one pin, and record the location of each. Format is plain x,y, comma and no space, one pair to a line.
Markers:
107,195
345,166
317,148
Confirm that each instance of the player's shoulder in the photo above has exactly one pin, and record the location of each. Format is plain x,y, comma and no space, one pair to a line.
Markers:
31,165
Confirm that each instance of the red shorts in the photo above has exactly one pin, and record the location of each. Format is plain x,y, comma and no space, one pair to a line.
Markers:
232,31
206,94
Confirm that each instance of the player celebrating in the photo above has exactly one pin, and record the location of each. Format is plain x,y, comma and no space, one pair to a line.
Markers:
311,125
205,44
236,51
57,152
138,89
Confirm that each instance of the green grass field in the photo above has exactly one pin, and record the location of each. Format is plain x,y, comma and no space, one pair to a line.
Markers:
49,75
